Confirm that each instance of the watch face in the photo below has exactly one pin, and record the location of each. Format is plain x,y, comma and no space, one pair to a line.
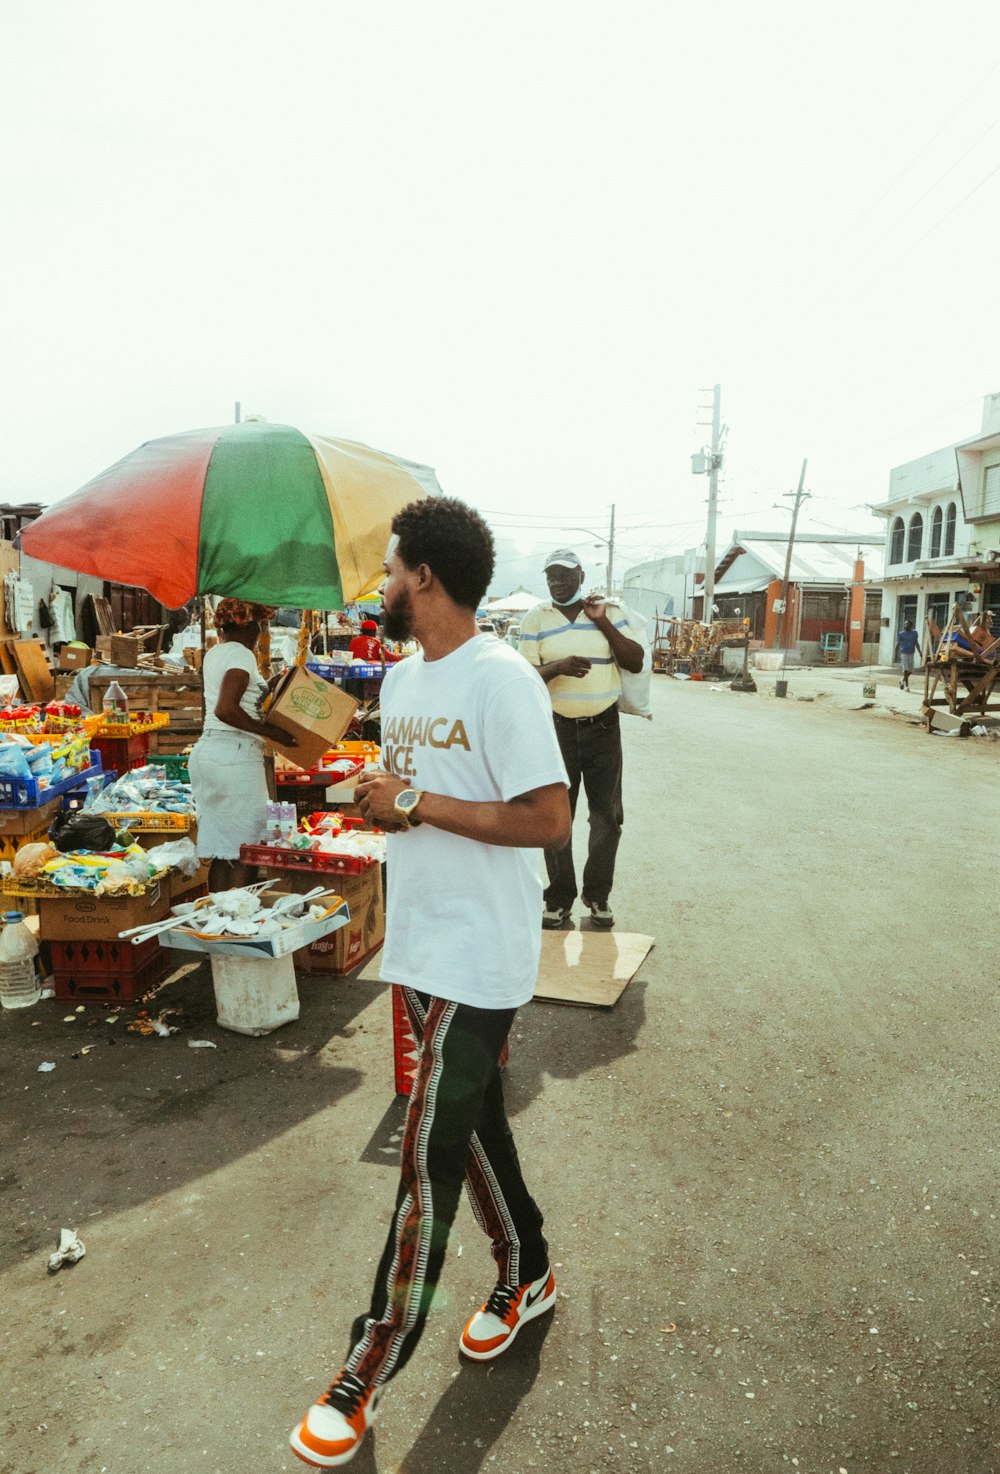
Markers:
407,799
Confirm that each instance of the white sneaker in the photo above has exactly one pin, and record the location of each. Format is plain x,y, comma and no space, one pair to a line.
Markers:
555,916
495,1324
330,1434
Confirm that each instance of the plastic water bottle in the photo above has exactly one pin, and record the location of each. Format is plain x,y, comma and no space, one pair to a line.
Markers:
115,705
19,986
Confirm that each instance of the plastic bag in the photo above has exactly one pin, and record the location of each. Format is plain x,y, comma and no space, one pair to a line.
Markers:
634,700
13,763
81,831
176,854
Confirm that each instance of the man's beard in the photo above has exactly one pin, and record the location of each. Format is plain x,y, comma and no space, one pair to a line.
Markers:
397,623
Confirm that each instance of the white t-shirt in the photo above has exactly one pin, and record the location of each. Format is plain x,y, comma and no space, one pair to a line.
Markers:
226,656
463,918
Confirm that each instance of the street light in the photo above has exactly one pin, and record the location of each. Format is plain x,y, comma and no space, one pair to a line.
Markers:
609,543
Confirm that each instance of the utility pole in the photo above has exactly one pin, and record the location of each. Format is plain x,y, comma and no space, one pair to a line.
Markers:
710,462
800,497
611,555
237,420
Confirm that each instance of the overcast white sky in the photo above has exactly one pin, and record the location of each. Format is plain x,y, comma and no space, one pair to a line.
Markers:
515,242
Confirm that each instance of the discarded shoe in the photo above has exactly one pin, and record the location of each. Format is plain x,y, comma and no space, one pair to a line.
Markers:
330,1434
494,1326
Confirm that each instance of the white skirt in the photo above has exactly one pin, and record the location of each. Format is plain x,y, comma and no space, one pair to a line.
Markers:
230,793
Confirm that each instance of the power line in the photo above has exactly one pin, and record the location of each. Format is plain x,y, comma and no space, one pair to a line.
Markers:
921,151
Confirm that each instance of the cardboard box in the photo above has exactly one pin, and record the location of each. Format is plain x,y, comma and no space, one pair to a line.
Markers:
315,713
364,933
65,918
75,657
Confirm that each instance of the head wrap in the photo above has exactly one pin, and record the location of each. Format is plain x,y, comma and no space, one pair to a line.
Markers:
241,611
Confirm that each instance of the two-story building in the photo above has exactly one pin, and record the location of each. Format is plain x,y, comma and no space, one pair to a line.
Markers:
942,539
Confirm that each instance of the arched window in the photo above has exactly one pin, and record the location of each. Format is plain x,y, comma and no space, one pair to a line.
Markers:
949,530
896,542
914,538
936,521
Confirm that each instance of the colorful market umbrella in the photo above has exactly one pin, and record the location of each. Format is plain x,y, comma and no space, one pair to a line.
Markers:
256,511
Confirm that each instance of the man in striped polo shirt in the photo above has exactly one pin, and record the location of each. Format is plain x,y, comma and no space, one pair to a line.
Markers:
577,643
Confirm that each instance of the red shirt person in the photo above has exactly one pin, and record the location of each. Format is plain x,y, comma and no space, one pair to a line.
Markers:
367,646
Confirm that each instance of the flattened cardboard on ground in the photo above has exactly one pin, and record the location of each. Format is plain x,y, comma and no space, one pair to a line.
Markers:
316,713
589,968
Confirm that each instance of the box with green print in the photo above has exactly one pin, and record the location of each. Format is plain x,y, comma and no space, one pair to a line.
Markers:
314,712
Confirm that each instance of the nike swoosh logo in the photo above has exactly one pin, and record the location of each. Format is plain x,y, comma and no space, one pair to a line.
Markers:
530,1298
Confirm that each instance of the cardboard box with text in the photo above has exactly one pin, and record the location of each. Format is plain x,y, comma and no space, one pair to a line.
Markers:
313,711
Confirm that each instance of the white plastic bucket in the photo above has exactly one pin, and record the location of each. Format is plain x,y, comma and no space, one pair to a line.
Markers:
255,995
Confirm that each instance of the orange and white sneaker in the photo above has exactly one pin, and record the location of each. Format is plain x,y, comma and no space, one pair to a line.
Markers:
331,1432
494,1326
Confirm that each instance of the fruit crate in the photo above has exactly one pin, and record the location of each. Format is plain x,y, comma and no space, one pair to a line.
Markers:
25,793
275,857
108,971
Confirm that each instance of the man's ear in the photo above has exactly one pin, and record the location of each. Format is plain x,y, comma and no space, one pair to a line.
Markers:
424,576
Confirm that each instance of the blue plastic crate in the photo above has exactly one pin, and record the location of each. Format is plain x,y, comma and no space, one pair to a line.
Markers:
25,793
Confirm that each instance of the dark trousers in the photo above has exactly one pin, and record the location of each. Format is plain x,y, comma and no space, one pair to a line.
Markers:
456,1130
592,752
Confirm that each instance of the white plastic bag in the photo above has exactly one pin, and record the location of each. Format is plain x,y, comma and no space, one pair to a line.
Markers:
634,700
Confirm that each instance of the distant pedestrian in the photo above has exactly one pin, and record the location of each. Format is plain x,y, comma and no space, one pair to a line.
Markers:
577,642
907,644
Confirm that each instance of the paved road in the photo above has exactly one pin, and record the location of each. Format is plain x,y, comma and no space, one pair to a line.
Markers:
768,1173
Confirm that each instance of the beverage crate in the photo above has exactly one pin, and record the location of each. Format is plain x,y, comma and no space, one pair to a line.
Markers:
275,857
25,793
122,753
149,722
76,799
174,764
11,843
150,821
122,981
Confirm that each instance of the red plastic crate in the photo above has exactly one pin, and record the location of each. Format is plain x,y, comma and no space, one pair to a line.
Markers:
123,753
107,969
275,857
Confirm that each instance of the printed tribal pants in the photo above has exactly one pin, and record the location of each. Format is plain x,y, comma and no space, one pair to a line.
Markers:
456,1129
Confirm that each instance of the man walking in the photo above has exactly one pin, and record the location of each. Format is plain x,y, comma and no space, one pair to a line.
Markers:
474,786
577,648
908,644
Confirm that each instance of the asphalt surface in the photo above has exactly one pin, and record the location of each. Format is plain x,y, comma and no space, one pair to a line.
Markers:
768,1173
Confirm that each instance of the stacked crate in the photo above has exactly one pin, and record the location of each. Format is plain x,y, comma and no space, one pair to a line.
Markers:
180,697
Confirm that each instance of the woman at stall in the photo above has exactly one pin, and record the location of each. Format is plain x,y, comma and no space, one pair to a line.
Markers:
227,762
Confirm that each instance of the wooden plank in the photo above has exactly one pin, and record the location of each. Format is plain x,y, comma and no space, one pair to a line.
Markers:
37,679
7,658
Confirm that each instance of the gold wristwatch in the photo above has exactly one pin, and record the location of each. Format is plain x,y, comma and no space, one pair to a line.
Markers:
405,806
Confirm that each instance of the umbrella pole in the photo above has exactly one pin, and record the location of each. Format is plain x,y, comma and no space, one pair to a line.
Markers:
201,668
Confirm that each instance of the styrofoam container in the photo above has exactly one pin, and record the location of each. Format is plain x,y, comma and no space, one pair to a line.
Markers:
254,995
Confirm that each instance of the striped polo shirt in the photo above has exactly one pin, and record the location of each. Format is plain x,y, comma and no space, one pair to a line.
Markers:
546,634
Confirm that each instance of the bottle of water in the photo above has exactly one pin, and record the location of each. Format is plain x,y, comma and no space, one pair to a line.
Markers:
115,705
19,986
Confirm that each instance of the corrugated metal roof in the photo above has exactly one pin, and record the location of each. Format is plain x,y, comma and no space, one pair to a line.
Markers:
813,562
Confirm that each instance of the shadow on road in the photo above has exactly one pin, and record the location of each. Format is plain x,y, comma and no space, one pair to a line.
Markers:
476,1409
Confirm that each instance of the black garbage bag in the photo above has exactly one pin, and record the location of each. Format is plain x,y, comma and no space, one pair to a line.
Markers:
79,831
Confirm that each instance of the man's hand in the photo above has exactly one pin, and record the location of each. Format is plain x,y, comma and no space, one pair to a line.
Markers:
574,665
595,607
376,793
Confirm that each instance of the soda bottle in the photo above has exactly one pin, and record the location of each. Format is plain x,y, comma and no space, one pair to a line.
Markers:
19,986
115,705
